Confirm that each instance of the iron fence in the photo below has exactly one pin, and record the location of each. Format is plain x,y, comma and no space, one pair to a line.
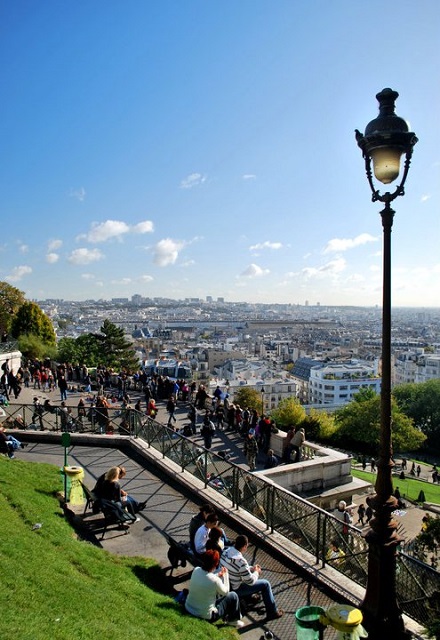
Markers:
299,521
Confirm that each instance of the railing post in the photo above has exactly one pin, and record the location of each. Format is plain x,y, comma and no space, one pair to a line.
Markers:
324,538
271,510
318,536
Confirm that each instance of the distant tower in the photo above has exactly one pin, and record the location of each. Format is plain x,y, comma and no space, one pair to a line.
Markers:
306,303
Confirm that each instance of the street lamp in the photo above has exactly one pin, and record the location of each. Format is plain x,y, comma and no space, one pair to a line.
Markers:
386,139
262,401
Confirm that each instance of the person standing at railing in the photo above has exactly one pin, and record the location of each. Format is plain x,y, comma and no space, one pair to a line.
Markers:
297,442
287,444
251,449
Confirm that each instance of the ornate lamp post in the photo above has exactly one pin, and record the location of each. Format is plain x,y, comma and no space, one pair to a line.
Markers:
386,139
262,400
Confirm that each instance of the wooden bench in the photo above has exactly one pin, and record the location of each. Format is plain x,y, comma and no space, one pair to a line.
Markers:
113,513
90,497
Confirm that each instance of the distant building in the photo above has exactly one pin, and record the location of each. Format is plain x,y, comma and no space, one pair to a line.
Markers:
337,383
301,375
416,366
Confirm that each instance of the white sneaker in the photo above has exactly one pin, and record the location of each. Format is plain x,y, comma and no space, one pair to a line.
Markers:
238,624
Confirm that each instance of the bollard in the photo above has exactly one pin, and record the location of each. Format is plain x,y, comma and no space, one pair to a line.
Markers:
308,625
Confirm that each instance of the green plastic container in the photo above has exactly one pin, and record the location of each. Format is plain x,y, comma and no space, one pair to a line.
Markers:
308,626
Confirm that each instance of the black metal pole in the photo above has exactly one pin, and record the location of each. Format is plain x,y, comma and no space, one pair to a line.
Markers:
382,615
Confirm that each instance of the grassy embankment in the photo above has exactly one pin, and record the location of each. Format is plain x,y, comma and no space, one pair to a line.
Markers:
58,587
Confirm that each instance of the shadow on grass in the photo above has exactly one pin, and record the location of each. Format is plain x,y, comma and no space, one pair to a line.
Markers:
155,578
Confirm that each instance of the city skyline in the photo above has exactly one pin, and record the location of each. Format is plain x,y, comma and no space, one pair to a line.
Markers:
180,150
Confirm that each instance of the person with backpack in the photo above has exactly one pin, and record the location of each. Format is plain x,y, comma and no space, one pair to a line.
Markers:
207,432
344,515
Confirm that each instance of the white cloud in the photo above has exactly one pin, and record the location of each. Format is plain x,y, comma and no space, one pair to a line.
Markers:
193,180
87,276
123,281
166,252
330,268
249,176
342,244
85,256
254,271
188,263
18,273
79,194
145,278
425,197
265,245
103,231
23,248
143,227
51,258
53,245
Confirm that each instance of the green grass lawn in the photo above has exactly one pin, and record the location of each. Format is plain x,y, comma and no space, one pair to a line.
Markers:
57,587
409,488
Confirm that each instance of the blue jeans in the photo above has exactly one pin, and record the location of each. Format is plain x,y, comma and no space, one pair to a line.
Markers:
228,607
16,444
131,504
260,586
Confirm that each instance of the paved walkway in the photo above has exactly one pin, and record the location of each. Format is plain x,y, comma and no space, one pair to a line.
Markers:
168,510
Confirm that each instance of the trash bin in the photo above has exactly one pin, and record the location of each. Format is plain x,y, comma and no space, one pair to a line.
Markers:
347,620
308,625
74,490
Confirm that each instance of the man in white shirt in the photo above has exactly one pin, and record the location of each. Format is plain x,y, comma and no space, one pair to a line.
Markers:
245,580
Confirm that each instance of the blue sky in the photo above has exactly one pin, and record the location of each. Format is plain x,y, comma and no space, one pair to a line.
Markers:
185,148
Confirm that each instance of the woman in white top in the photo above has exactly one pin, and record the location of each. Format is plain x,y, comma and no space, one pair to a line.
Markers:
209,596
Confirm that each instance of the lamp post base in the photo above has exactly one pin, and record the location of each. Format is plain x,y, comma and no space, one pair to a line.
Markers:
382,616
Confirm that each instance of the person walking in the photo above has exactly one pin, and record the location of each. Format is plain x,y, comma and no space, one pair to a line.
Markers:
361,514
171,408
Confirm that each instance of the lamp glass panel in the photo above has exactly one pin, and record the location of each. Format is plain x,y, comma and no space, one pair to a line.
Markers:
386,163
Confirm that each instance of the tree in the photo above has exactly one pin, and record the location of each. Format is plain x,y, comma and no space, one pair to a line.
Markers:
248,397
289,412
30,320
319,425
11,299
421,402
115,351
84,349
358,426
68,350
31,346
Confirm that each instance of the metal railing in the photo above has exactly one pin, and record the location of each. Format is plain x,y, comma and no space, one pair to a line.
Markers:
301,522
